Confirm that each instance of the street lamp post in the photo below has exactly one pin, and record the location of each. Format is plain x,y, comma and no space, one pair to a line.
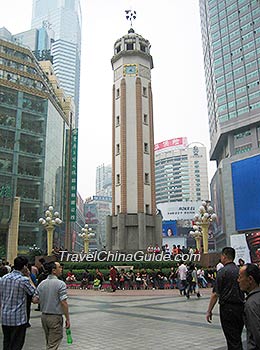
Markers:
202,221
86,234
49,222
196,234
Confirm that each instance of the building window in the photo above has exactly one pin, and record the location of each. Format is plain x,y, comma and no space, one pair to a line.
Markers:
117,120
118,48
146,149
117,93
144,91
118,209
142,48
117,179
147,208
117,148
146,178
130,46
145,119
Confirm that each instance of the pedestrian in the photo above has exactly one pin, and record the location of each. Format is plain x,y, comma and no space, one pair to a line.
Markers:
249,280
231,300
85,279
52,295
182,273
29,297
14,288
113,278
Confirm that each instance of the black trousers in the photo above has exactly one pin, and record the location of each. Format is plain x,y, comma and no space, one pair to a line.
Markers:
231,317
14,337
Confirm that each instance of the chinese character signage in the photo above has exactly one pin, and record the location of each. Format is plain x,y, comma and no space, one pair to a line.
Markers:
178,142
102,198
73,174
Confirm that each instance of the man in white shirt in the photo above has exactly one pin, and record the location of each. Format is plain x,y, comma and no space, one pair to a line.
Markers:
182,273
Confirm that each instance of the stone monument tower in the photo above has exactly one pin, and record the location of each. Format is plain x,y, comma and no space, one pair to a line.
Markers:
134,224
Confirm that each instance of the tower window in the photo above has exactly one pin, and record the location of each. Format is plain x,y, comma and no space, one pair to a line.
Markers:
117,93
118,48
129,46
117,120
117,179
145,119
146,178
118,209
146,149
147,208
145,91
117,148
142,48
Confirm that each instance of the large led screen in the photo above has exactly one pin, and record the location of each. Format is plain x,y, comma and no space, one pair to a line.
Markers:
246,190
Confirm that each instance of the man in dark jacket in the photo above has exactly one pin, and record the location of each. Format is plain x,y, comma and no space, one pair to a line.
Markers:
249,279
231,300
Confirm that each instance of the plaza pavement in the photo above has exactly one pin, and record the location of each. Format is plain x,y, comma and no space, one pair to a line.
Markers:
139,319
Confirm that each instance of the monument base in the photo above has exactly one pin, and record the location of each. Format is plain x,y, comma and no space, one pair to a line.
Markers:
133,232
209,259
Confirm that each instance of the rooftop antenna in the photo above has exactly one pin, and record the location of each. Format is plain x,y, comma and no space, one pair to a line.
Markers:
130,16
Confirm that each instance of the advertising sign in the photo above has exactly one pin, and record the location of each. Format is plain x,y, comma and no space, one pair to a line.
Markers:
102,198
246,189
178,210
169,228
178,142
239,243
73,175
253,242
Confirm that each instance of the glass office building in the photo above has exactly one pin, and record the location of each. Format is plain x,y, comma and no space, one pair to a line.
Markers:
32,144
63,19
231,45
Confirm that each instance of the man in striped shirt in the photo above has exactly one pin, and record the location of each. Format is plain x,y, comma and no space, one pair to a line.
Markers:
14,288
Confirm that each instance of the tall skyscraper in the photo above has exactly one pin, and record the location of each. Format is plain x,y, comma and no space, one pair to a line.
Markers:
134,223
231,44
104,180
63,19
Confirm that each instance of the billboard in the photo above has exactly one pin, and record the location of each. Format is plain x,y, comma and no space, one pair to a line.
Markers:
178,142
239,243
247,246
169,228
216,201
246,192
178,210
253,242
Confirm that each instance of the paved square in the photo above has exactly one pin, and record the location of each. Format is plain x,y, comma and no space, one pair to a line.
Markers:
128,320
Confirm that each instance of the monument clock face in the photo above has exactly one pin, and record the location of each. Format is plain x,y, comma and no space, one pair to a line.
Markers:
130,70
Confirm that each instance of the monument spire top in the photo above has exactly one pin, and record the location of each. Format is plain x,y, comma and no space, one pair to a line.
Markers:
130,16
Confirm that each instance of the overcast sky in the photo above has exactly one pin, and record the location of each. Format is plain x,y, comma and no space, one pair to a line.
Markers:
173,29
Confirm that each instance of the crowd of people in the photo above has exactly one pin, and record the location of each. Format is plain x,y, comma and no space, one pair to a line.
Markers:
25,284
185,277
172,251
235,287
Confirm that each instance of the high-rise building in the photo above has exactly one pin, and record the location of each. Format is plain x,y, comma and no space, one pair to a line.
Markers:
134,223
104,180
33,124
181,182
181,172
63,19
231,44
